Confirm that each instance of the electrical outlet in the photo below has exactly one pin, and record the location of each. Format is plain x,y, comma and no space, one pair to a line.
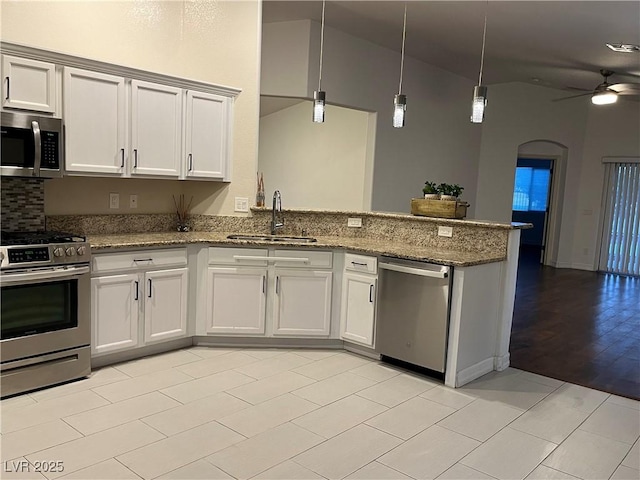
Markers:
354,222
114,200
133,201
445,232
242,204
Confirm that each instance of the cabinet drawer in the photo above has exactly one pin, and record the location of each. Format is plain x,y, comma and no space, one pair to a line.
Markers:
146,259
360,263
237,256
303,259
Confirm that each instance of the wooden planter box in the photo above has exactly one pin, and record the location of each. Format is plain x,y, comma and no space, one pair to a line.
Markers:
438,208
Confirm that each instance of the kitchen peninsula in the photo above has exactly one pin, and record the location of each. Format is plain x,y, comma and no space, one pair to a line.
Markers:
483,256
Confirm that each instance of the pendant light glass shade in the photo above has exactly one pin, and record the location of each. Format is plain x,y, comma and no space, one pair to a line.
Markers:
606,97
478,103
399,107
318,106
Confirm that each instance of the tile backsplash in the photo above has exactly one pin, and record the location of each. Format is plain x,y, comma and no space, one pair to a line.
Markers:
22,205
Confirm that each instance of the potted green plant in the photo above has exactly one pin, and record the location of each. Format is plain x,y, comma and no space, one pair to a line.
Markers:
449,192
430,190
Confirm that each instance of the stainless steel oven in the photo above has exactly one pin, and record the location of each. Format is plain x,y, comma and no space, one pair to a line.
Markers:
45,315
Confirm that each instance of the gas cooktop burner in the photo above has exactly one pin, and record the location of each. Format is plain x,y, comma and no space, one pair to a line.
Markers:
38,238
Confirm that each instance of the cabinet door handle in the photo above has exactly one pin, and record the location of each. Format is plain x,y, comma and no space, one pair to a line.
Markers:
264,284
371,293
135,158
190,158
277,285
122,159
8,87
137,285
149,294
359,264
136,260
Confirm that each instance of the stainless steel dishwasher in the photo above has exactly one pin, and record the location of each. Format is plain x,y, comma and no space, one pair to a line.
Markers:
413,312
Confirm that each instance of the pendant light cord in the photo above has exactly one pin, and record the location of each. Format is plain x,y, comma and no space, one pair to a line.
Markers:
321,46
484,38
404,34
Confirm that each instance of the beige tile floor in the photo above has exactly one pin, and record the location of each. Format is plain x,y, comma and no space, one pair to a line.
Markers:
203,413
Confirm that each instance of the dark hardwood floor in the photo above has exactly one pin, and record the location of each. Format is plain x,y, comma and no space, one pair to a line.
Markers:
577,326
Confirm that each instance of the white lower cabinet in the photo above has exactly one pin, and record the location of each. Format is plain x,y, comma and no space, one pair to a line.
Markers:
114,313
357,316
236,300
165,304
249,293
302,304
138,299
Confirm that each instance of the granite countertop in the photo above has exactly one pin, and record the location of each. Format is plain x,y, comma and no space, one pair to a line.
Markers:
102,243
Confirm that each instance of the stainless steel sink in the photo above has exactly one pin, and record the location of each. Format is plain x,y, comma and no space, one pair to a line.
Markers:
272,238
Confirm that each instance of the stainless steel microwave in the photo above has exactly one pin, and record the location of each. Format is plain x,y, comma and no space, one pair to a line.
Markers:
31,146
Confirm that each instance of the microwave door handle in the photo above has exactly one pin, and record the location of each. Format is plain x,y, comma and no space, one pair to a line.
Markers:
37,143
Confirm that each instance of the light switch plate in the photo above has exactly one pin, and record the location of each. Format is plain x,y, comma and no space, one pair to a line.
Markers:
354,222
114,200
242,204
133,201
445,231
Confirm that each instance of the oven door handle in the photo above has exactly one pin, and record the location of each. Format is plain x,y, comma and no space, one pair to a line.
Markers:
47,274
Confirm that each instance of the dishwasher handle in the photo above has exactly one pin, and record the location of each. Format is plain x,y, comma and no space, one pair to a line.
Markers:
415,271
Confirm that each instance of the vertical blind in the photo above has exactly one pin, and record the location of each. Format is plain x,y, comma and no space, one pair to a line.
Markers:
620,251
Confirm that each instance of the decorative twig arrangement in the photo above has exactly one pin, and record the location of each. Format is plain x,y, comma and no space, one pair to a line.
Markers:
182,211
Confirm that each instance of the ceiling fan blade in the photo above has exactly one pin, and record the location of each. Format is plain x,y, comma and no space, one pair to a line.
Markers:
626,88
572,96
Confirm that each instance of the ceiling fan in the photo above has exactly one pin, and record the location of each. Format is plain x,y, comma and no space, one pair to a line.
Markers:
607,93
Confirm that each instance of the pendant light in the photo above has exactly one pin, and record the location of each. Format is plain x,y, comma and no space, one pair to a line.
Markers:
480,91
400,100
319,95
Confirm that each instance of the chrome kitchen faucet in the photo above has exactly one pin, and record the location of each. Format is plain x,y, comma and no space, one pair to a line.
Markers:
276,222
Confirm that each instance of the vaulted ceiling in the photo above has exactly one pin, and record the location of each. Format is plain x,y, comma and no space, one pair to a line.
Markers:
558,44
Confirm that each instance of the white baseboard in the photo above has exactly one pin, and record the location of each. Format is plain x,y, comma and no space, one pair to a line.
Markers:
583,266
575,266
501,363
474,371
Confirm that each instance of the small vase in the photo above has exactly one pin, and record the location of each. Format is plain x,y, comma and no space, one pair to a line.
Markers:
449,198
431,196
183,227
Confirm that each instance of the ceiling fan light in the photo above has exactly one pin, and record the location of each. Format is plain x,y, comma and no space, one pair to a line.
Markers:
478,103
606,97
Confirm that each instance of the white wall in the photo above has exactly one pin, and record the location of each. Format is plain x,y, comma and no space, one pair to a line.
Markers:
316,166
438,142
217,42
519,113
612,130
285,69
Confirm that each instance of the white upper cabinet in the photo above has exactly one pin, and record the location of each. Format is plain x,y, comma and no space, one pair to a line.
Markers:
94,110
28,84
156,129
207,138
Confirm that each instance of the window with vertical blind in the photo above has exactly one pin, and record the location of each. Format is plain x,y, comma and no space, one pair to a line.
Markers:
620,250
531,189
